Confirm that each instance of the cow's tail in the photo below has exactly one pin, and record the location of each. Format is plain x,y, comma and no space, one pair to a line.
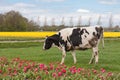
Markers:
103,41
102,38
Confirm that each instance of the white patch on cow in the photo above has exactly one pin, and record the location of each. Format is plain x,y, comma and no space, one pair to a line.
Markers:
65,32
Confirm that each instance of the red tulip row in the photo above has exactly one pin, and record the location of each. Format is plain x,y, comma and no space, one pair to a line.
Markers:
25,70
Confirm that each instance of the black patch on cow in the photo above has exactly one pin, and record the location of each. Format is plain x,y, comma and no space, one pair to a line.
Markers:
65,45
55,38
81,32
94,34
99,31
75,37
68,39
84,30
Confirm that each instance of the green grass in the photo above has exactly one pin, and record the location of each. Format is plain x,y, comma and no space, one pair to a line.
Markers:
19,45
109,58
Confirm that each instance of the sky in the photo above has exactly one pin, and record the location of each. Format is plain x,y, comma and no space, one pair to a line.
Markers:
38,10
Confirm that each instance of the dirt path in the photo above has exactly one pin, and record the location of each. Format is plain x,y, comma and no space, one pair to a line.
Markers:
17,41
21,41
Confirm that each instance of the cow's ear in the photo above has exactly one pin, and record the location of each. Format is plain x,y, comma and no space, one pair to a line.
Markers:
46,37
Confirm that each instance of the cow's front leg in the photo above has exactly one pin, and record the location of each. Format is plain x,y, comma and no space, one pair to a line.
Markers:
74,56
92,58
94,55
63,55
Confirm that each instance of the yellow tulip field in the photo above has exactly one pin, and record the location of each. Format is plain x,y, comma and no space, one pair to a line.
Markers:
44,34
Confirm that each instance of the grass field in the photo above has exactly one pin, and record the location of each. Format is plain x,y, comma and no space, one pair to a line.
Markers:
109,58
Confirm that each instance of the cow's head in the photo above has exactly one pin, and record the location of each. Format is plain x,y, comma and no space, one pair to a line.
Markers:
49,41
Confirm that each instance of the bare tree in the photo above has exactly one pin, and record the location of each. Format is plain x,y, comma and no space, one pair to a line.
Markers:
89,21
99,20
53,22
39,23
71,21
62,22
119,24
45,22
79,21
111,21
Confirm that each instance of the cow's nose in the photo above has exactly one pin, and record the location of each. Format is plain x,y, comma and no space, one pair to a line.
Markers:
45,48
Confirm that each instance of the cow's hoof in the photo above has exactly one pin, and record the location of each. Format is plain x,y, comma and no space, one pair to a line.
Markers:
61,63
75,63
90,62
96,62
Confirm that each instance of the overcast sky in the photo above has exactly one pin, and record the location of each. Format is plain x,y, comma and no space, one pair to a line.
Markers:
65,8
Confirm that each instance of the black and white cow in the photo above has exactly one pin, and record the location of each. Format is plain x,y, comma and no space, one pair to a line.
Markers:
71,39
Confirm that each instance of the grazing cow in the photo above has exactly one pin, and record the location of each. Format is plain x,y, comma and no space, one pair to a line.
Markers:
76,38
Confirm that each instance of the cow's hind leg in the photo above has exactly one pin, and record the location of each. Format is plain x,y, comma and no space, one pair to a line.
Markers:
94,55
63,55
74,56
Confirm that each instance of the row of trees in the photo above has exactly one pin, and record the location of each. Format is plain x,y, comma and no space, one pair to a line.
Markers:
62,23
53,26
14,21
71,22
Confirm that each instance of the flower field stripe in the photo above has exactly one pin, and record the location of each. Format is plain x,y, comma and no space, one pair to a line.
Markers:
111,34
44,34
26,34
